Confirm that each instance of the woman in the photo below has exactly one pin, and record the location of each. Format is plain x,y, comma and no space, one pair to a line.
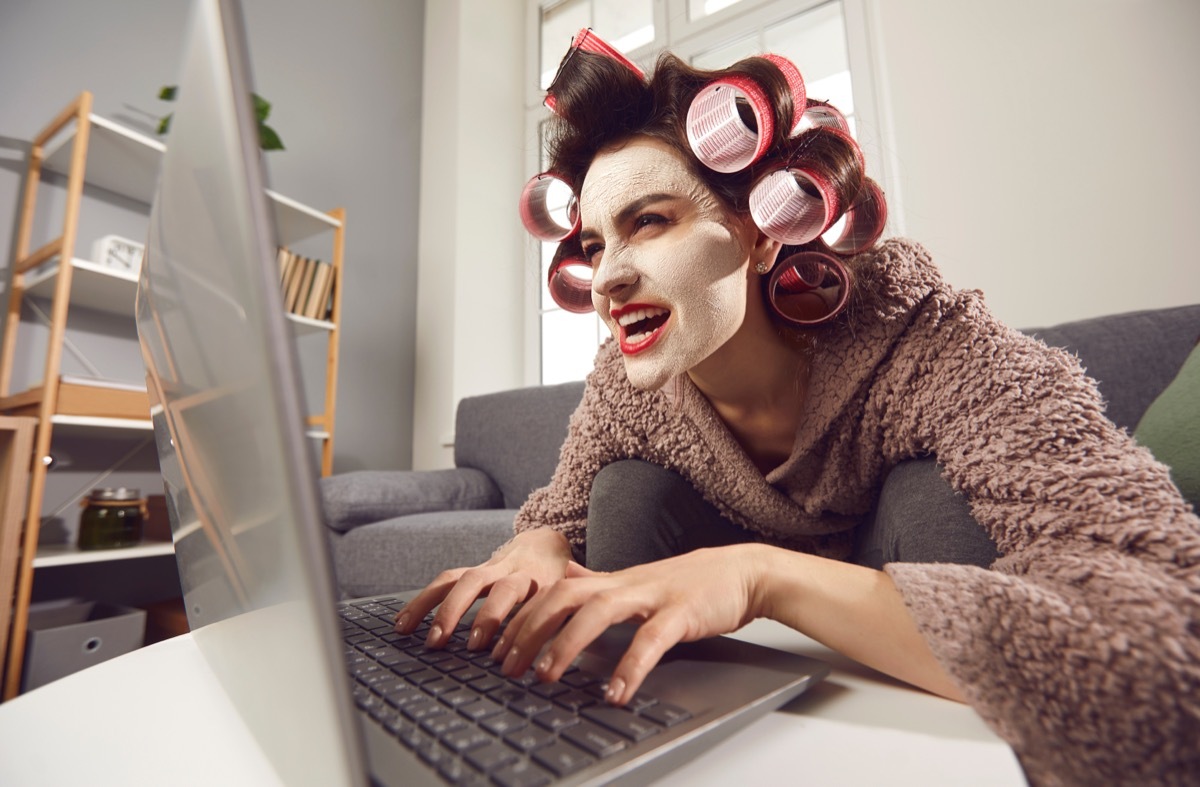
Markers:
736,433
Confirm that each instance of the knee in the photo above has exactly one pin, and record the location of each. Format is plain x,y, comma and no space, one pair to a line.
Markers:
629,514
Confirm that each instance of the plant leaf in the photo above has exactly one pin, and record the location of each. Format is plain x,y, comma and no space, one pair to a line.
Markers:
268,139
262,107
164,124
168,93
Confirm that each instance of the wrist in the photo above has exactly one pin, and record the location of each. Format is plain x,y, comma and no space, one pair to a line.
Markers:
761,559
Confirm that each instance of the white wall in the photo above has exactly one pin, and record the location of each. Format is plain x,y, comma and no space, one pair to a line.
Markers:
1048,151
471,245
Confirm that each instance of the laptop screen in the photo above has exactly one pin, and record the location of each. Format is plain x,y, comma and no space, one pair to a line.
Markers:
229,422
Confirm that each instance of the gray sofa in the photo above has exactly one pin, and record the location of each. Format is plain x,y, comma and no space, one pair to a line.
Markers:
395,530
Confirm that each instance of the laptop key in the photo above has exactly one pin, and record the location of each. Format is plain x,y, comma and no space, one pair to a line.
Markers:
666,714
503,723
563,758
529,705
456,771
529,738
556,719
594,739
481,709
522,774
574,700
466,739
621,721
491,757
456,699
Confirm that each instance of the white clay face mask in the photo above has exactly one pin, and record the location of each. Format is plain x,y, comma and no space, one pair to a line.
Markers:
671,279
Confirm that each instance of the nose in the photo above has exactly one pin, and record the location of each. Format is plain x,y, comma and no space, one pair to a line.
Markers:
612,276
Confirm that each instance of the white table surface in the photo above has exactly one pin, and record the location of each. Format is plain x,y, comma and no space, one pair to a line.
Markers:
158,716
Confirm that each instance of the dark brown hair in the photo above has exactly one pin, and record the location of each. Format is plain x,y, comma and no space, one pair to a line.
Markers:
599,102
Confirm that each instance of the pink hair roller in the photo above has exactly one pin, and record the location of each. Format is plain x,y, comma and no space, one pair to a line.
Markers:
809,288
820,114
715,129
864,221
571,292
540,220
588,41
793,206
795,84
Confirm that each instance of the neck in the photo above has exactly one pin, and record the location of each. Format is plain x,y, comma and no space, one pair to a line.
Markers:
757,382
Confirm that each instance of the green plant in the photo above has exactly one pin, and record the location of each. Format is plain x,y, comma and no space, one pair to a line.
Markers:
267,138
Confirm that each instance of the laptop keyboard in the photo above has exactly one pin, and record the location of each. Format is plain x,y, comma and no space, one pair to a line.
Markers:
472,724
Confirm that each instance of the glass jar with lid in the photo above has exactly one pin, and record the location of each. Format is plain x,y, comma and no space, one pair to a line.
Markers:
112,517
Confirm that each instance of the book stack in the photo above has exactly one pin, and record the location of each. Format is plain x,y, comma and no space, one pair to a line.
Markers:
307,285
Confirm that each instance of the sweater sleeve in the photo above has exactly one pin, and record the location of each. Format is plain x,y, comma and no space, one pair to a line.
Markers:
592,442
1081,646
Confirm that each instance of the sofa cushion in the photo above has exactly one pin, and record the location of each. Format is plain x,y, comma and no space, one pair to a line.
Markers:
515,436
1171,428
409,552
1133,356
353,499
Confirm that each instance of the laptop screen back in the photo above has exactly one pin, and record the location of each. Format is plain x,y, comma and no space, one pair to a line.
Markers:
229,422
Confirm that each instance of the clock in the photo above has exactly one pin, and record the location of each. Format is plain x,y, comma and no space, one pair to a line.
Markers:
119,254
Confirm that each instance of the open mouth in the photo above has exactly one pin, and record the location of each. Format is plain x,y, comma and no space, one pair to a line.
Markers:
640,327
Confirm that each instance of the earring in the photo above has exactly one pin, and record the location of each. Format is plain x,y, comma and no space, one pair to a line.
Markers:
762,268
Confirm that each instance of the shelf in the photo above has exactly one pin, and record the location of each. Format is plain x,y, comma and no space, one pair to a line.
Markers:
125,162
69,554
75,425
108,290
92,286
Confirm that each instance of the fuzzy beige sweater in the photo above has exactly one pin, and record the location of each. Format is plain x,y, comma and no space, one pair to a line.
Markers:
1081,645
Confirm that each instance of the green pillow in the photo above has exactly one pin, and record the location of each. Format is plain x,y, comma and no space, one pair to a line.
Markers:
1171,428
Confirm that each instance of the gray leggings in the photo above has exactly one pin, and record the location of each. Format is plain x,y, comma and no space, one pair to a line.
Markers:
639,512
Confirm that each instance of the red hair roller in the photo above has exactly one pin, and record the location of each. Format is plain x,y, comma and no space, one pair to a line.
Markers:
809,288
588,41
571,292
795,84
539,219
864,221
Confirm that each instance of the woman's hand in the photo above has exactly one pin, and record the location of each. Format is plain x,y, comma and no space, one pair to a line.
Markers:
532,560
680,599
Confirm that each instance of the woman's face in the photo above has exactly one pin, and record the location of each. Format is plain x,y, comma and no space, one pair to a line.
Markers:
670,263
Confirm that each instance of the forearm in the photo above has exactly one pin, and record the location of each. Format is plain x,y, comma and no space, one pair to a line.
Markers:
854,610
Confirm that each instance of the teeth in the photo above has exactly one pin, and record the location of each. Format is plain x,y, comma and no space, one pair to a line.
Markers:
630,318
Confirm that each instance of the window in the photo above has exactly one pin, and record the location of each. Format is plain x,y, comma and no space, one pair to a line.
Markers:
709,34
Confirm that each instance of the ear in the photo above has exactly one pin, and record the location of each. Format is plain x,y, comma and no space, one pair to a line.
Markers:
763,248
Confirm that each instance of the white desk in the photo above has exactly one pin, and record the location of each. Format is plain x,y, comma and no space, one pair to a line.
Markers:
157,716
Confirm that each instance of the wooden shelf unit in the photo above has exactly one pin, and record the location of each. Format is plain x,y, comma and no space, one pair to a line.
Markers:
86,148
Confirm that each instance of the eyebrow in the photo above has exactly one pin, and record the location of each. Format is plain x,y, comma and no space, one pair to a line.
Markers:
630,210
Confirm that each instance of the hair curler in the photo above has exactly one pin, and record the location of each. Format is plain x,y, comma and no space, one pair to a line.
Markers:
588,41
572,292
864,223
543,221
795,84
718,135
809,288
794,205
822,114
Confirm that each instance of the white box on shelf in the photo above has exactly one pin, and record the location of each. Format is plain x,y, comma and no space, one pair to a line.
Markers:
120,254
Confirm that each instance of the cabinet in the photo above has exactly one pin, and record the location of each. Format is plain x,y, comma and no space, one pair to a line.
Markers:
91,150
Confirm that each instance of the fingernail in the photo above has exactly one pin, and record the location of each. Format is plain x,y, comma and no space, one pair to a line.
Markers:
476,638
616,687
402,621
509,661
435,634
498,651
545,664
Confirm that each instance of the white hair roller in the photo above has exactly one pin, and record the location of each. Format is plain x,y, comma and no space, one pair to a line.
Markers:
718,135
793,206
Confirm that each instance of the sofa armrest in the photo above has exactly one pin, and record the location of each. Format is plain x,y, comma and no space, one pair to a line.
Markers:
352,499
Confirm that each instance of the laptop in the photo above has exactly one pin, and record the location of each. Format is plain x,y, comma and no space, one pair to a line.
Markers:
332,694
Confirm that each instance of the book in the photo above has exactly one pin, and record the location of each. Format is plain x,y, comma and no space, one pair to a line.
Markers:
318,297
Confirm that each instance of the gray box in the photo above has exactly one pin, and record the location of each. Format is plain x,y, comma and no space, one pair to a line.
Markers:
67,636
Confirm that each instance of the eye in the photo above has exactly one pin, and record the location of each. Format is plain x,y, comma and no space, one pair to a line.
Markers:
648,219
591,250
